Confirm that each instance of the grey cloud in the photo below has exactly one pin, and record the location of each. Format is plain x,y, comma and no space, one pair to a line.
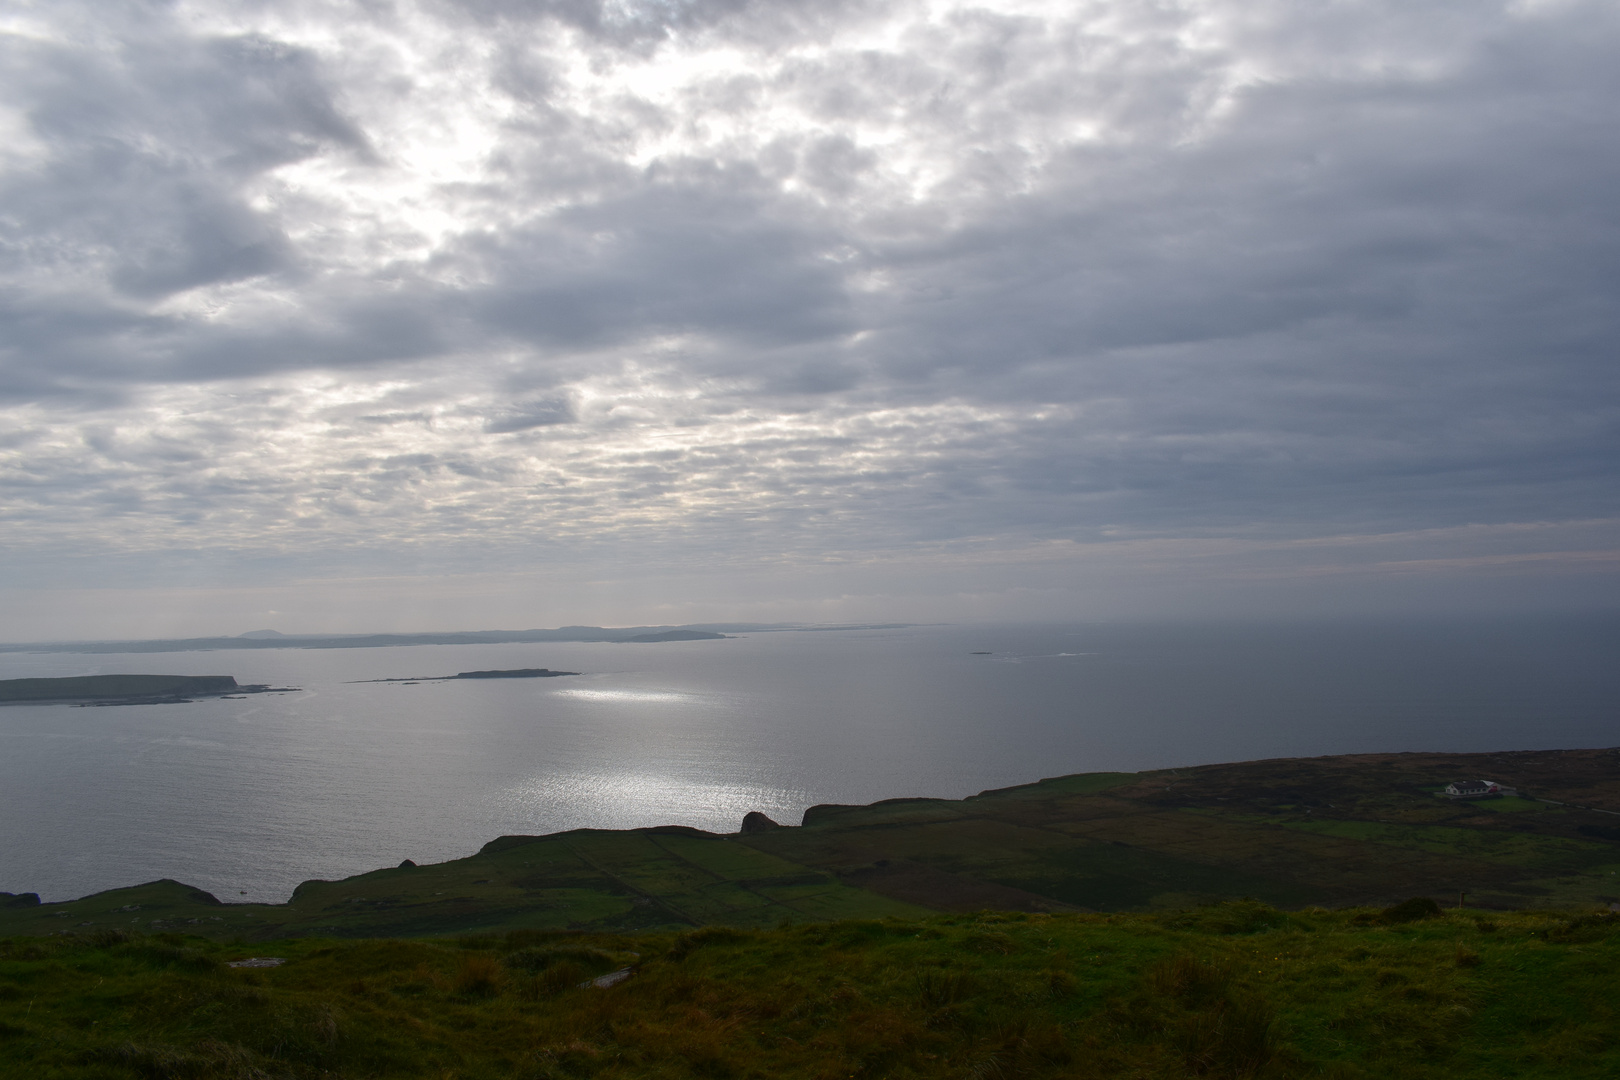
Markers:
100,351
198,239
237,104
147,145
1372,288
824,377
643,24
1345,260
396,418
698,249
527,415
357,331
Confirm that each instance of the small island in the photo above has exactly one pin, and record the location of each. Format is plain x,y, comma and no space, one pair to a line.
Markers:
513,673
128,689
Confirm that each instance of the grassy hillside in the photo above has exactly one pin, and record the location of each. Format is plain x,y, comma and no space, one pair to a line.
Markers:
1339,831
1234,990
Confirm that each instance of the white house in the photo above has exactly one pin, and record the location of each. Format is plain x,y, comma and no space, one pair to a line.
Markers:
1473,789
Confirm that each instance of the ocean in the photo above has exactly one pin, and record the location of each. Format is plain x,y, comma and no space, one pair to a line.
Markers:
246,798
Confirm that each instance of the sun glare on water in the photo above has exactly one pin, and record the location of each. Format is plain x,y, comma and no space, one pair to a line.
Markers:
629,697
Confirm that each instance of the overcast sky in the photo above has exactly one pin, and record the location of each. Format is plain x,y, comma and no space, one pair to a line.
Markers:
489,313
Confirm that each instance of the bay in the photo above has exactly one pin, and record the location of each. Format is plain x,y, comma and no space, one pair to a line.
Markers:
248,797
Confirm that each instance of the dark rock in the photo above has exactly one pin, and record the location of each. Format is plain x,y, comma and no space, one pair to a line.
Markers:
407,865
756,822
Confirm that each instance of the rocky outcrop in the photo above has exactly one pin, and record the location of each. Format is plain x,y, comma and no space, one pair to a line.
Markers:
756,822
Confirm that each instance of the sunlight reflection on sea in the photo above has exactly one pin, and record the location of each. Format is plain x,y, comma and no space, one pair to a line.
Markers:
629,697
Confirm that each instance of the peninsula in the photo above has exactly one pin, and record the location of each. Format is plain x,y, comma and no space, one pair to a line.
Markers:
129,689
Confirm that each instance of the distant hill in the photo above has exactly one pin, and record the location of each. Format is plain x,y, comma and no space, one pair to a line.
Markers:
676,635
273,639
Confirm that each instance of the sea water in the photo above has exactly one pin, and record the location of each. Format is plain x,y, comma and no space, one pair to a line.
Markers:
248,797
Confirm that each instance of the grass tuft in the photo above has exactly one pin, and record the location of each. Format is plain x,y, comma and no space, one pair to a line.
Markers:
479,977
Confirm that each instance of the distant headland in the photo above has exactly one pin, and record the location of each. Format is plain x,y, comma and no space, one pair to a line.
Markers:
274,639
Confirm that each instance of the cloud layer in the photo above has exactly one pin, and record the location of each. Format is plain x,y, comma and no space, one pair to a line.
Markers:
732,283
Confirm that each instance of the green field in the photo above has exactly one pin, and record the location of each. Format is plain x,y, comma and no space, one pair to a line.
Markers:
1234,990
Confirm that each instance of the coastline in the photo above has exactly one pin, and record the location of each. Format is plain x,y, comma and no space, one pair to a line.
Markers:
1336,831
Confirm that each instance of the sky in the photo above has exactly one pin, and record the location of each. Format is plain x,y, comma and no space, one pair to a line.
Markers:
453,314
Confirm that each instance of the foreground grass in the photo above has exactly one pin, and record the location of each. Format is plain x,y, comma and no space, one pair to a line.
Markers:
1236,990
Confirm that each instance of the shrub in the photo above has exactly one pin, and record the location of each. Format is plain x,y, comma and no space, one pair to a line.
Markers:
692,940
1583,928
1232,917
1217,1029
1061,983
208,1059
1232,1038
938,989
563,975
179,957
534,961
1419,907
1190,980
